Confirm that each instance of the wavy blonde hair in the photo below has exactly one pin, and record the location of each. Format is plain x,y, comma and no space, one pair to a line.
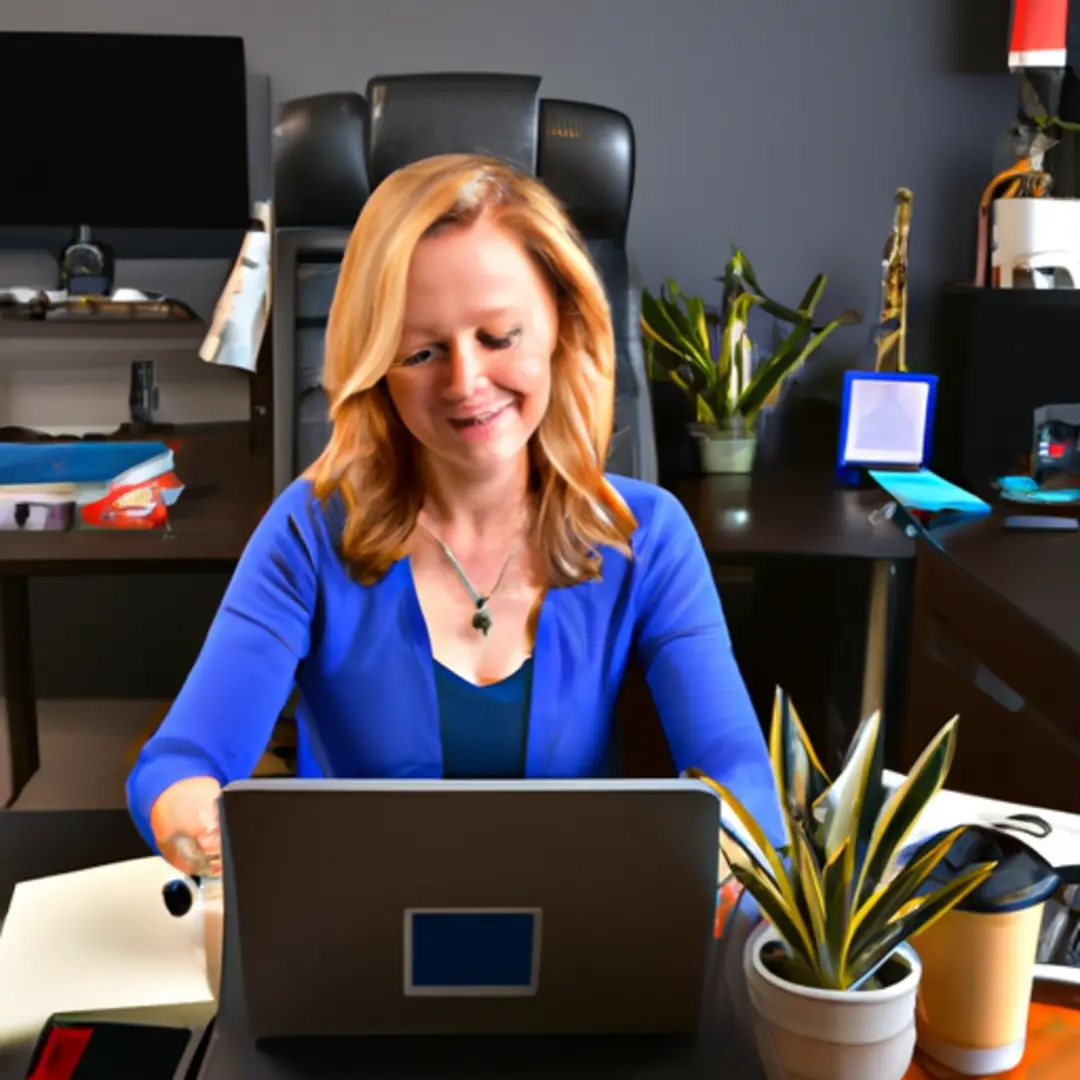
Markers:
371,458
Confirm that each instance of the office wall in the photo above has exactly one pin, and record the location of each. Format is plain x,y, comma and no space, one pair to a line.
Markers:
783,126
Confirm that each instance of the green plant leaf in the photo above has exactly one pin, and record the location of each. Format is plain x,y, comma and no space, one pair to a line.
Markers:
764,389
889,900
754,832
788,966
838,883
658,325
800,778
681,318
808,304
812,892
845,802
902,810
758,882
916,920
734,329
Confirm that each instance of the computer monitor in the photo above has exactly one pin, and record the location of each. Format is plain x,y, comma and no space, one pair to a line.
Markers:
457,907
886,420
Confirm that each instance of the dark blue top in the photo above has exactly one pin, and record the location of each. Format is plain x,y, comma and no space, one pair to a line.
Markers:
483,728
360,657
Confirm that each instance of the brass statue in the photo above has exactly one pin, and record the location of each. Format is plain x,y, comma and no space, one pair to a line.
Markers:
892,331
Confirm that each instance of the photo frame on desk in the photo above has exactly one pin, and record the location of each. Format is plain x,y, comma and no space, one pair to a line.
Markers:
886,422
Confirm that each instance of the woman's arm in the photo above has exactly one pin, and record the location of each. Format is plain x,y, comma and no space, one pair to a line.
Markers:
685,649
222,720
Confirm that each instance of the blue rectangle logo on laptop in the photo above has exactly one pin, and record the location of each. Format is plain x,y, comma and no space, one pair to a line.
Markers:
472,952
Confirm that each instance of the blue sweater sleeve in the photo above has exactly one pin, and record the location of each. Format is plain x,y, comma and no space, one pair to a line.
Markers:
223,718
685,650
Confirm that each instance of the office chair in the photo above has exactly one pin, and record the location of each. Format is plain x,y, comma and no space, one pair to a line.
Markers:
332,150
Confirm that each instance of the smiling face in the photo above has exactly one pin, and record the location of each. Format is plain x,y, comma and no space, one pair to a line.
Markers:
472,376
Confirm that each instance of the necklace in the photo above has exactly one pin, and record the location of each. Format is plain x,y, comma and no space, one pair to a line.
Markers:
481,619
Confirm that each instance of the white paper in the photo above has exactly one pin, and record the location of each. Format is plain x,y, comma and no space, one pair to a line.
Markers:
96,939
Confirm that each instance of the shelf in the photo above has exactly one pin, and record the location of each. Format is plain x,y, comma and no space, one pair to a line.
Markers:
24,335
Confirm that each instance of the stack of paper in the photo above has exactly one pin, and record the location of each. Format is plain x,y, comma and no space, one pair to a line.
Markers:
97,940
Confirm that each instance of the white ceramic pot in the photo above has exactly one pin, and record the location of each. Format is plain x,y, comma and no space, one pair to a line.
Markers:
808,1034
724,450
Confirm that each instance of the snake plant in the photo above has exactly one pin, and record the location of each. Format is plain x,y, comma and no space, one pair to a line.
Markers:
711,358
835,895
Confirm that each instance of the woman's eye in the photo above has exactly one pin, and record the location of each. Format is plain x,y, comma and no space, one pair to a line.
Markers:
490,341
420,357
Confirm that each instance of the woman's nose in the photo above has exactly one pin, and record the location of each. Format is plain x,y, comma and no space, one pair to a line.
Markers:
466,372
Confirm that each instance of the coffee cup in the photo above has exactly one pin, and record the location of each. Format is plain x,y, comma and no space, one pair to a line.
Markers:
979,959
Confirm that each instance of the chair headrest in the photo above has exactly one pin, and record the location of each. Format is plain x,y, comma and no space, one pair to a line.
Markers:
587,160
419,116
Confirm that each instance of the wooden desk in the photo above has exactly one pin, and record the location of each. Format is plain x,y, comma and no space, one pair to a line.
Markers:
829,610
997,639
227,490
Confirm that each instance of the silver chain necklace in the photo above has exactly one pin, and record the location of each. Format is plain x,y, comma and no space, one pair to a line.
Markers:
481,619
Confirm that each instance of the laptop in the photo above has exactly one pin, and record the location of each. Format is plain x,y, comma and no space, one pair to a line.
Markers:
467,907
886,425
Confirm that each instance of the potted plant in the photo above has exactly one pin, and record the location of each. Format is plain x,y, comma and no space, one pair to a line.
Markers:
831,978
711,358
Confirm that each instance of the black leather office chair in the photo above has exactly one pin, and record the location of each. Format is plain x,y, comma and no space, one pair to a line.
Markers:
333,149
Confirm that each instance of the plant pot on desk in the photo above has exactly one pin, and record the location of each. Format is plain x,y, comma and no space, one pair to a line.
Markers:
805,1033
725,448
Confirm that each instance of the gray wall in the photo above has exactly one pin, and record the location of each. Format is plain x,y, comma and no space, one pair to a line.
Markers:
784,126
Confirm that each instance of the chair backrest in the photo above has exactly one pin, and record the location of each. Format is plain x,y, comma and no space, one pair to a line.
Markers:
333,149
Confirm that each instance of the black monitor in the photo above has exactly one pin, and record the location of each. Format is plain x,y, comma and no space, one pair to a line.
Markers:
123,131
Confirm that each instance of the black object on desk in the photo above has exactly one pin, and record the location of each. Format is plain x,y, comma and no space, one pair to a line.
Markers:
75,1050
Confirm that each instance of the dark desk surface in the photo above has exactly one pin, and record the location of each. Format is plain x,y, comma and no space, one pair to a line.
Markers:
791,514
35,844
1036,572
226,492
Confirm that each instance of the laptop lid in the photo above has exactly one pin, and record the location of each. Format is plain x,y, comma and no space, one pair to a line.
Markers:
461,907
886,420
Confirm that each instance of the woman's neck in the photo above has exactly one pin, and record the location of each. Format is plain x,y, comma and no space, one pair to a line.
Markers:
474,508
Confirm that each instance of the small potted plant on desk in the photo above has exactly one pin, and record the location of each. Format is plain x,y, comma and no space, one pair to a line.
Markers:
832,980
712,360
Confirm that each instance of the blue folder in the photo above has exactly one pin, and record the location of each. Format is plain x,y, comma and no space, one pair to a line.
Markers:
36,464
925,490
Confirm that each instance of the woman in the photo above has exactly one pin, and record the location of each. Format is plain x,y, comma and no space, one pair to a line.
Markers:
456,587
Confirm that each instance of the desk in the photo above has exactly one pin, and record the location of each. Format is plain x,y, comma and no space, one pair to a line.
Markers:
227,491
832,592
37,843
996,638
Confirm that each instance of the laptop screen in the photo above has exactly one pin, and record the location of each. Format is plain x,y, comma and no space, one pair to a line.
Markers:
886,419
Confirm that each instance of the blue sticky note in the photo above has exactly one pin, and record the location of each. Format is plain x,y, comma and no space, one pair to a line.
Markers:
485,952
924,490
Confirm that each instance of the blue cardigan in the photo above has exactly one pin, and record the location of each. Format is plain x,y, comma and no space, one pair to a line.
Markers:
361,659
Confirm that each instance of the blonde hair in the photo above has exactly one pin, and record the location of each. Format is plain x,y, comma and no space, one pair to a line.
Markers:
371,459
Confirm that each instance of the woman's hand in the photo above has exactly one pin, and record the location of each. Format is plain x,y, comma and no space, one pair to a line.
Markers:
184,821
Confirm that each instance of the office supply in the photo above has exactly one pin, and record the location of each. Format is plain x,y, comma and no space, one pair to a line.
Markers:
497,907
926,491
886,420
1050,524
93,941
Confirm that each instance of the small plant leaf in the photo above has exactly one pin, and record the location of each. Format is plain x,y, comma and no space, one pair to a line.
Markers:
839,881
808,304
799,775
845,802
812,892
903,808
872,919
917,919
767,891
790,968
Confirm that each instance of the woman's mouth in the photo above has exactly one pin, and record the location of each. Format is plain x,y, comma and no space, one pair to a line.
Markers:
482,424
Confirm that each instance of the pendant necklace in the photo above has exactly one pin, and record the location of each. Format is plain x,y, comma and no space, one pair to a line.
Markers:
481,619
